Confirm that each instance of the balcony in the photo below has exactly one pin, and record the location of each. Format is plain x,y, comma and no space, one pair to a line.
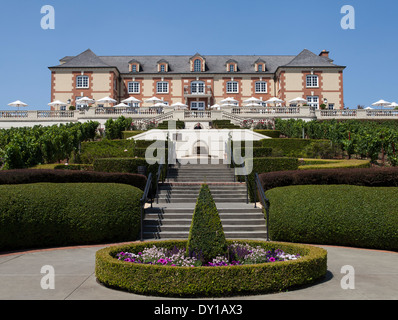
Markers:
191,92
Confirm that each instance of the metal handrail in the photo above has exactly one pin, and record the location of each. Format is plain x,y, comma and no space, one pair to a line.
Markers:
158,174
264,201
143,200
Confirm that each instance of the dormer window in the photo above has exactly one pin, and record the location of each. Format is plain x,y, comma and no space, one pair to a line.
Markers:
197,63
163,66
134,66
232,66
259,66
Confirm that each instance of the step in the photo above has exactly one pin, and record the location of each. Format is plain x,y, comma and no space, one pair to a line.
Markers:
250,235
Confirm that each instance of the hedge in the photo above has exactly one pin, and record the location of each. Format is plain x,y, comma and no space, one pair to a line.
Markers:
289,147
330,164
370,177
209,281
25,176
60,214
206,234
129,134
112,149
269,133
344,215
256,152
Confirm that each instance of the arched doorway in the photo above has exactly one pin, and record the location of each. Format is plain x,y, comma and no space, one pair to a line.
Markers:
198,126
200,148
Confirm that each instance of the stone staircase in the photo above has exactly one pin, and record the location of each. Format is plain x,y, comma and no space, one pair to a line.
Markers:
171,217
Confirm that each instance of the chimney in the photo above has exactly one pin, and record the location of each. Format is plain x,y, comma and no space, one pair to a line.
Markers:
324,53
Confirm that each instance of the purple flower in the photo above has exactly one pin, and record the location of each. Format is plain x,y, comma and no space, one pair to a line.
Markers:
272,259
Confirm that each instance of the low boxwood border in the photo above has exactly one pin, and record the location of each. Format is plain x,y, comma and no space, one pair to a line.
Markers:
209,281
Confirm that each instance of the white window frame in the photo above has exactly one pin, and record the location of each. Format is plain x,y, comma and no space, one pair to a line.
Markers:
162,68
313,101
197,67
135,86
259,68
231,67
162,87
133,68
197,87
232,87
312,81
82,82
261,87
198,105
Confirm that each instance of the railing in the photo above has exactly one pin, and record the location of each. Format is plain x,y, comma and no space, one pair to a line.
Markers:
143,201
197,114
265,110
55,114
207,91
158,175
264,201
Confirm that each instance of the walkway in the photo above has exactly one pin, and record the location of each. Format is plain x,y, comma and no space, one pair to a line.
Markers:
376,277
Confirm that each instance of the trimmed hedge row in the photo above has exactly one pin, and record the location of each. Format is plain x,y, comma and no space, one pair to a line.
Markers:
209,281
26,176
335,214
370,177
290,147
330,164
59,214
112,149
269,133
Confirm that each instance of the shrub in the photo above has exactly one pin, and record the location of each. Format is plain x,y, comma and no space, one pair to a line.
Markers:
335,214
26,176
85,167
114,128
330,164
128,134
290,147
206,235
209,281
370,177
256,152
269,133
59,214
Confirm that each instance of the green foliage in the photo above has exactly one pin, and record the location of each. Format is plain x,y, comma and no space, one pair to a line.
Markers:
269,133
344,215
26,147
308,164
128,134
364,138
206,235
209,281
114,128
59,214
224,124
293,147
172,124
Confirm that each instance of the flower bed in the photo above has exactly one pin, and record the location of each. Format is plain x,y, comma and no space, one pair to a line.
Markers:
219,277
238,254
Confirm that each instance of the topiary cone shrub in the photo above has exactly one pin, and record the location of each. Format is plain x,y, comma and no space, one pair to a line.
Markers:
206,235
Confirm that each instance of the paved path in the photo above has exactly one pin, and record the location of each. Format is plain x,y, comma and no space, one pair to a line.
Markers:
376,277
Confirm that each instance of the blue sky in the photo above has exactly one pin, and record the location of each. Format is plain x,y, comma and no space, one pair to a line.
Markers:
258,27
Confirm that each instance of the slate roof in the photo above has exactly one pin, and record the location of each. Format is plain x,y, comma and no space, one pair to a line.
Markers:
180,63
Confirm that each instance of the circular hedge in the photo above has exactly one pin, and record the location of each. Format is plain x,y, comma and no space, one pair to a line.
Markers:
209,281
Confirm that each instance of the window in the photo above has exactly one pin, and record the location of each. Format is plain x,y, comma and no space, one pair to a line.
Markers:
231,67
261,87
162,68
197,87
162,87
331,106
82,82
197,65
260,68
198,105
313,101
232,87
312,81
133,87
134,68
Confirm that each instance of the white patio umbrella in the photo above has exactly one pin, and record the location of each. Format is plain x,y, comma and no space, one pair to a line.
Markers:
179,106
17,104
122,105
253,104
131,100
381,103
274,100
229,100
107,100
153,100
215,106
298,100
393,105
57,103
252,100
